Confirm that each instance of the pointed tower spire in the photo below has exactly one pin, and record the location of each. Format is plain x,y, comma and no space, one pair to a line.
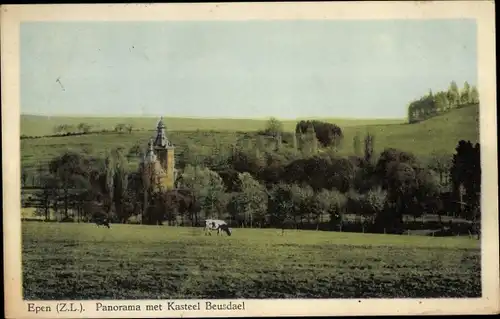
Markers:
161,137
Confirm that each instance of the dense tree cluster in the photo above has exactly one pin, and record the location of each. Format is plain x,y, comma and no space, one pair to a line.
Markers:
273,179
267,187
328,134
85,128
433,104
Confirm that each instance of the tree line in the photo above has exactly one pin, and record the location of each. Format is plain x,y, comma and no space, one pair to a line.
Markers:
440,102
82,129
85,128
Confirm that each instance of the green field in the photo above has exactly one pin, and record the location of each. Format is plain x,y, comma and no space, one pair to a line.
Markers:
35,125
438,134
81,261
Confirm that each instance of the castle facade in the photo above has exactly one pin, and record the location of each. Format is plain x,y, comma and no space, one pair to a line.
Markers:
158,163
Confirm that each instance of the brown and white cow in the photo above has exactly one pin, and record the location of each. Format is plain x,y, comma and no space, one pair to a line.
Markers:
218,225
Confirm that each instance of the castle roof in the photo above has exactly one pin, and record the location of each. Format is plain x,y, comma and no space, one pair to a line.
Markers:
150,156
161,139
160,123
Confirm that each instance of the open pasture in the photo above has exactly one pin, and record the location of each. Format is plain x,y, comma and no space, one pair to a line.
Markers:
36,125
81,261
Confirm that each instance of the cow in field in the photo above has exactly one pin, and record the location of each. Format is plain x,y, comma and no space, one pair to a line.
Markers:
101,221
218,225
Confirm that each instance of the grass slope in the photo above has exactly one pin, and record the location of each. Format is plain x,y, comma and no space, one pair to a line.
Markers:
34,125
437,134
81,261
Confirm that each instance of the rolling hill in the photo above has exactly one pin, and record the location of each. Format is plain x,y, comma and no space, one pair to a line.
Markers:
438,134
36,125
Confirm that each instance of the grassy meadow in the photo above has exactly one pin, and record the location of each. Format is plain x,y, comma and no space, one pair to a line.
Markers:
438,134
81,261
36,125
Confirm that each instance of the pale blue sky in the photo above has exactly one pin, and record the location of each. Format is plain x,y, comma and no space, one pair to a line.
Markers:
289,69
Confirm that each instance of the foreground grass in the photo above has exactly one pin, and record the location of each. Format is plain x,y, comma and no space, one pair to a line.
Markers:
81,261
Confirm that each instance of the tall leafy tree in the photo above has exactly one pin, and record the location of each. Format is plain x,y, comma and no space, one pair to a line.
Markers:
374,203
337,208
440,163
110,170
294,141
441,102
453,95
207,187
465,94
48,195
72,171
328,203
369,145
120,185
251,202
311,142
474,95
301,198
84,128
465,174
397,174
135,151
356,144
274,127
280,206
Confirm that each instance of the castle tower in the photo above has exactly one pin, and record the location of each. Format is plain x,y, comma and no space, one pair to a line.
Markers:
149,157
152,172
165,152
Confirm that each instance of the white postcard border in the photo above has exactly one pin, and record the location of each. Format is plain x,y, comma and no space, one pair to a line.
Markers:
482,11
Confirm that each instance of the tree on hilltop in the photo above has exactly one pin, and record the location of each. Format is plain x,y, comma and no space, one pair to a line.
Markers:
474,95
453,95
274,127
465,94
84,128
120,128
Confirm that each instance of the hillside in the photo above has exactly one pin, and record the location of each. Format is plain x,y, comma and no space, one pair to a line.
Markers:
35,125
440,133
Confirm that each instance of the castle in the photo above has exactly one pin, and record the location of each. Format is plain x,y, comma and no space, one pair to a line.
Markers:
158,163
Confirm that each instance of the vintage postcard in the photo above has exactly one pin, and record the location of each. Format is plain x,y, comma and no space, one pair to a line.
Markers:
249,159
